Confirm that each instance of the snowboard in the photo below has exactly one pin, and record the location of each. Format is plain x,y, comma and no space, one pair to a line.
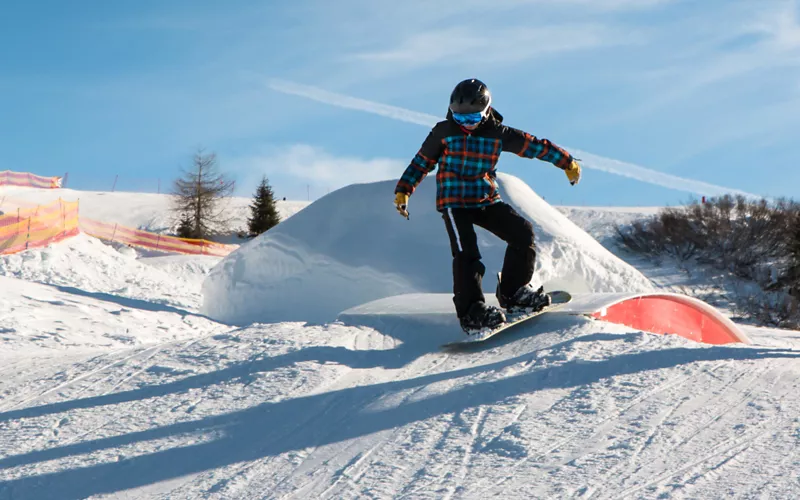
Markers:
559,298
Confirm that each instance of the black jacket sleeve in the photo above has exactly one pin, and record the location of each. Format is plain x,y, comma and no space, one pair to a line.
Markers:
423,163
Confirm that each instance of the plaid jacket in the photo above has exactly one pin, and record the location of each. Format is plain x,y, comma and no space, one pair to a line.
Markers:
468,159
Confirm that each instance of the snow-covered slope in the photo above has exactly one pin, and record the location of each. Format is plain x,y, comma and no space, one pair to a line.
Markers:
147,211
113,386
351,247
87,264
52,320
563,408
601,222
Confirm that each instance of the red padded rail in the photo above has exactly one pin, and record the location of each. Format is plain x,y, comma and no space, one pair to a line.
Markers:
665,314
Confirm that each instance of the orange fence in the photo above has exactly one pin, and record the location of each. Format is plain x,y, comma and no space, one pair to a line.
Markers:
14,232
25,179
153,241
38,227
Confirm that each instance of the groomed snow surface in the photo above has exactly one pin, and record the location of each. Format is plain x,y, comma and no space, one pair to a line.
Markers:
131,376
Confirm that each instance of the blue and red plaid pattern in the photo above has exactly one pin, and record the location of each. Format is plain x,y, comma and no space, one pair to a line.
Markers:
468,160
419,167
543,149
466,172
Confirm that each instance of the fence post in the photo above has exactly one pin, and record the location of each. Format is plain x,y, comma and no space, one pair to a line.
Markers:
114,233
115,183
28,236
64,180
158,241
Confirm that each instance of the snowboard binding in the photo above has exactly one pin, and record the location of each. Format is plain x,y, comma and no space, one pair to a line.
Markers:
481,318
526,300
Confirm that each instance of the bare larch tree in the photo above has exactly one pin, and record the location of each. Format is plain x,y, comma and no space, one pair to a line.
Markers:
197,196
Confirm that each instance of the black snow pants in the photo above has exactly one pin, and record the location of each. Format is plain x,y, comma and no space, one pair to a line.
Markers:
504,222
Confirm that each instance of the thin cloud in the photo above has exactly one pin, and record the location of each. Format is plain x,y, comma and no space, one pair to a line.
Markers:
589,160
314,166
457,45
742,48
782,26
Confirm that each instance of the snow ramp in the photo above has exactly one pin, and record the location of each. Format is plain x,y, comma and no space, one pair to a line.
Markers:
659,313
350,247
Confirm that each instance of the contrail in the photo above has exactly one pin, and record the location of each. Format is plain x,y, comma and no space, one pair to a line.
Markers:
653,176
343,101
588,160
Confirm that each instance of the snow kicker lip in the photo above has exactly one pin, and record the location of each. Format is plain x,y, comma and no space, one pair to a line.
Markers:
660,313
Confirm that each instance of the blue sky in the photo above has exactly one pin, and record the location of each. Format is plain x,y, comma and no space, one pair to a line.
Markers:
702,91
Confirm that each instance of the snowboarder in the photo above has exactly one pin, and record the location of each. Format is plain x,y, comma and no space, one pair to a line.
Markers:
466,146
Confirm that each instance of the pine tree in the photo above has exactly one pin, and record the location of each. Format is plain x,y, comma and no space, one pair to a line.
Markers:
264,212
186,227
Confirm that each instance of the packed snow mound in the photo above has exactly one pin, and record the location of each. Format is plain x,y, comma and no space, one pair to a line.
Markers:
351,247
87,264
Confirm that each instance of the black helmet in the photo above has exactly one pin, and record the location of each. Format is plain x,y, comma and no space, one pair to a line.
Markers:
470,96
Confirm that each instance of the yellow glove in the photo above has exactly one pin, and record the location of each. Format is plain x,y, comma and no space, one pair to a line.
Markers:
573,172
401,203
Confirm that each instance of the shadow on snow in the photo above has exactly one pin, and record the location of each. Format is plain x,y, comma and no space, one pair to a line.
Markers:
270,429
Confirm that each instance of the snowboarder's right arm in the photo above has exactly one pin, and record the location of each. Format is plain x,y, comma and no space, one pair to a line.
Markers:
423,163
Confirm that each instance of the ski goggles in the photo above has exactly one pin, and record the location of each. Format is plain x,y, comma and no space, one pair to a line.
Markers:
469,119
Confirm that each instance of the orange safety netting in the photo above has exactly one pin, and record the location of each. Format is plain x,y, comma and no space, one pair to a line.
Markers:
25,179
153,241
38,227
116,233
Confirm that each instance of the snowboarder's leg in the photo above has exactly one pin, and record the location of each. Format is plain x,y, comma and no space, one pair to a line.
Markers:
468,271
504,222
514,291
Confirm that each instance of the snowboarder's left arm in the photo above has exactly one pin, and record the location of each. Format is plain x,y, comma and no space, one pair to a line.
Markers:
527,146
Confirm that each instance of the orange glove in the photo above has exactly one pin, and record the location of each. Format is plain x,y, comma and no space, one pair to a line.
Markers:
573,172
401,203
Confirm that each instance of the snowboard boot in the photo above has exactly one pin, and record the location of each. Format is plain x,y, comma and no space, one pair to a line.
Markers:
526,300
481,317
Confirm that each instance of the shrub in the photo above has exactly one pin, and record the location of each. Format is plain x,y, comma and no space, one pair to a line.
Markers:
755,240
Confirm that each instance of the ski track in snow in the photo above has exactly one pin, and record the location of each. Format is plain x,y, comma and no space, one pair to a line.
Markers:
140,396
592,441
